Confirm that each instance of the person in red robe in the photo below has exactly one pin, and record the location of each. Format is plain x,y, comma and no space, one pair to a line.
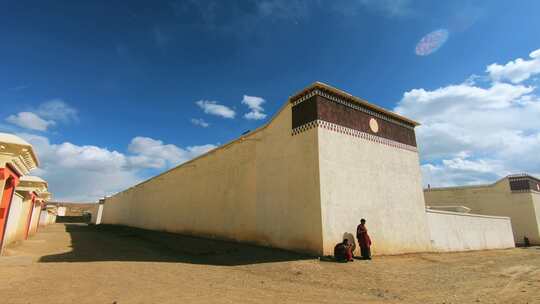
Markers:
364,241
343,252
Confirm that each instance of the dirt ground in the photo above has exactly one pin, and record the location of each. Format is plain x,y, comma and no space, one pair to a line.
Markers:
75,263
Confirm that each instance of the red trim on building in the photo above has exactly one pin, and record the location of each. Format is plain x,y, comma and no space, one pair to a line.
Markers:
29,219
11,179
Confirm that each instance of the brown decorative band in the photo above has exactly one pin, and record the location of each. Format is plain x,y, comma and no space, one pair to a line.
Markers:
523,183
350,105
312,107
351,132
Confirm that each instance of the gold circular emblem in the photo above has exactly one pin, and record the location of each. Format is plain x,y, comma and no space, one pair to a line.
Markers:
374,125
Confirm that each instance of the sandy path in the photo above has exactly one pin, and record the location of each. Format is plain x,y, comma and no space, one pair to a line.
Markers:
69,263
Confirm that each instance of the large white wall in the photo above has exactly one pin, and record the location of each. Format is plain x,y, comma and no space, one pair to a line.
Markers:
365,179
452,231
261,189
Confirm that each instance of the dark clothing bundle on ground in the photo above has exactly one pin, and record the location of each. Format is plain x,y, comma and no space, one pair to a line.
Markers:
343,253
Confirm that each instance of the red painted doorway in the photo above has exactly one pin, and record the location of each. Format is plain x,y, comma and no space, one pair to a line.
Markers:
11,180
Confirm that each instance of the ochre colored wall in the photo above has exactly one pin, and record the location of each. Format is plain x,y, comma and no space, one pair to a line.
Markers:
495,200
536,202
262,189
365,179
452,231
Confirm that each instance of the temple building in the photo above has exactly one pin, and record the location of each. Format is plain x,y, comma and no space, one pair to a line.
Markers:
515,196
303,181
17,158
25,209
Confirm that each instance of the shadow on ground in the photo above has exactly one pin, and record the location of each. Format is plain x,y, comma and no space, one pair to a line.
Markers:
119,243
74,219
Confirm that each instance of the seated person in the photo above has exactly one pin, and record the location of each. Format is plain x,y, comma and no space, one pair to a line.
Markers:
342,252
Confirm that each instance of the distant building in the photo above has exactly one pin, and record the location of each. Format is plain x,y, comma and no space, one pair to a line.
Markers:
73,208
48,215
75,211
514,196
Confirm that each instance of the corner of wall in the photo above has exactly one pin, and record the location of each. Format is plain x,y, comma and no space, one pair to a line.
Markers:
319,193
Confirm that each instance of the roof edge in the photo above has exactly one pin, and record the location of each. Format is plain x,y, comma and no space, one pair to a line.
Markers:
360,101
517,175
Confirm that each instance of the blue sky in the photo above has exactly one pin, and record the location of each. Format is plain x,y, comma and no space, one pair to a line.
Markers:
137,87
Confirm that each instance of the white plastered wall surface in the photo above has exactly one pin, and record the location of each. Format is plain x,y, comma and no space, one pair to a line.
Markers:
262,188
34,221
15,210
364,179
23,218
452,231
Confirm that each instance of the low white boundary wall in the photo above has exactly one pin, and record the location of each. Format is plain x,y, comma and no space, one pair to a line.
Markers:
454,231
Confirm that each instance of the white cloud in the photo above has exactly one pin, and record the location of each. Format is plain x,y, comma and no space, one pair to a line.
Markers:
58,110
46,115
152,153
253,115
194,151
472,133
214,108
87,173
200,122
81,173
461,171
29,120
517,70
254,103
